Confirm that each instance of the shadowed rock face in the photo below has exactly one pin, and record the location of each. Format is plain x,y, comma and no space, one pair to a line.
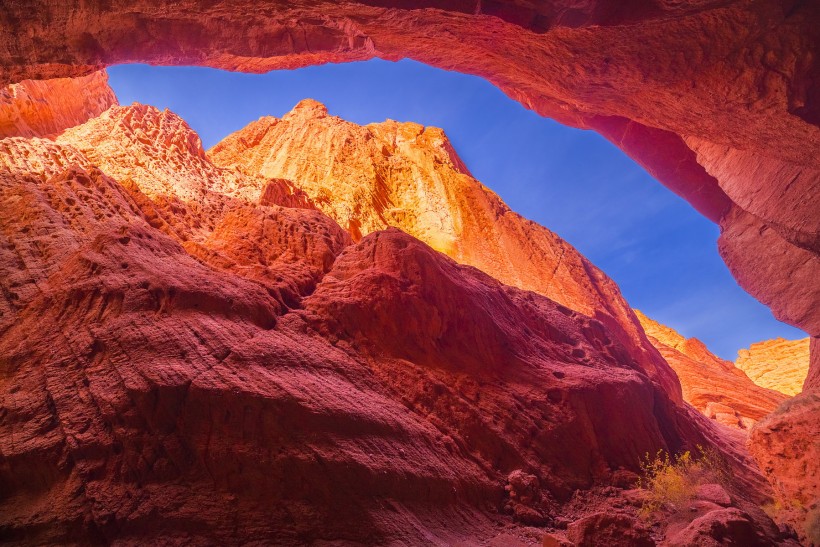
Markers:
717,100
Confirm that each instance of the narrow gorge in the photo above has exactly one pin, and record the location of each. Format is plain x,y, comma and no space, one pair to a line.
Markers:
319,332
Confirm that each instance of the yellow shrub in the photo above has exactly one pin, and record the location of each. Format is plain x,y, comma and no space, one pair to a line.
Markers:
672,481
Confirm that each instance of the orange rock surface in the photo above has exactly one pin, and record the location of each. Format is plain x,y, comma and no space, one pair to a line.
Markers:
718,100
712,385
408,176
210,365
785,444
35,108
776,364
157,153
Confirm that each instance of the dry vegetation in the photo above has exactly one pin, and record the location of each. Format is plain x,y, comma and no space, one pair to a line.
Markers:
672,481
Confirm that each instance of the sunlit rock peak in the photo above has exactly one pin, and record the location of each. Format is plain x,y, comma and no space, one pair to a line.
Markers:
409,176
777,364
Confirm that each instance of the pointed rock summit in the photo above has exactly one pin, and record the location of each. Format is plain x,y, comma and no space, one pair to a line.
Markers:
408,176
307,108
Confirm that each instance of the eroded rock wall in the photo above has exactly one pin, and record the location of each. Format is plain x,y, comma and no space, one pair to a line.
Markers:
34,108
245,372
408,176
777,364
716,387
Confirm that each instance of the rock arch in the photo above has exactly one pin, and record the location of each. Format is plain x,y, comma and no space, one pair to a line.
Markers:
719,100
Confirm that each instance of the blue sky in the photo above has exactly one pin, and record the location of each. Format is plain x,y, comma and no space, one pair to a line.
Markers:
660,251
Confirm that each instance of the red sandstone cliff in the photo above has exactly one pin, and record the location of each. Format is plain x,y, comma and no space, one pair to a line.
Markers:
216,360
714,386
408,176
777,364
36,108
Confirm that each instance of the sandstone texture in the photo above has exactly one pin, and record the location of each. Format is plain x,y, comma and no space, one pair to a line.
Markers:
776,364
609,529
36,108
714,386
216,360
408,176
718,100
722,527
786,444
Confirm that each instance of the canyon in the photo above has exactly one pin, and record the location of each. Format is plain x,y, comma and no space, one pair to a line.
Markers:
404,175
217,349
165,278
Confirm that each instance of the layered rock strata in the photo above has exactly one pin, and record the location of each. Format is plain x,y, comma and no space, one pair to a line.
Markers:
716,387
37,108
776,364
217,360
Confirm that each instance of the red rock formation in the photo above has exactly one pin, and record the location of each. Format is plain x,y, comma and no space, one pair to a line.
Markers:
409,176
167,398
625,71
239,371
729,88
786,444
777,364
36,108
714,386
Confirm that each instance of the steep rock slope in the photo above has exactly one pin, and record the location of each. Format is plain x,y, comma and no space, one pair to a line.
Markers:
409,176
776,364
36,108
174,392
714,386
729,89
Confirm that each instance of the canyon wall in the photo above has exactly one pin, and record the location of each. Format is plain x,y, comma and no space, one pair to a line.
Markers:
408,176
719,100
777,364
211,365
45,108
716,387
